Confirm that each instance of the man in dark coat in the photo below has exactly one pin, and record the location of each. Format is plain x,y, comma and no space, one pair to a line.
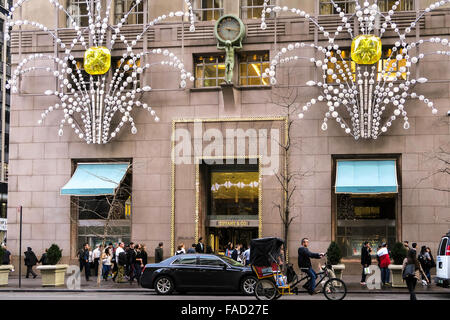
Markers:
366,260
43,259
159,254
30,261
200,248
6,256
304,262
84,261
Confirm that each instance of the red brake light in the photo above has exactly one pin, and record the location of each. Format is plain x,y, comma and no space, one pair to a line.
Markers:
447,252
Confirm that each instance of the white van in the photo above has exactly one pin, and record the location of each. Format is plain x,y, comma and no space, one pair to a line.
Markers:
443,262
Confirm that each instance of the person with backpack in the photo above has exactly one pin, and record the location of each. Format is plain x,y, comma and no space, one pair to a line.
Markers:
30,261
411,270
121,260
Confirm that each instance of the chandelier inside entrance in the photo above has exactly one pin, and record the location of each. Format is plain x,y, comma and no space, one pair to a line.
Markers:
359,90
99,105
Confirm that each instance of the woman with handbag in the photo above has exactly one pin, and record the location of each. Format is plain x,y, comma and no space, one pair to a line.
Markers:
366,261
411,271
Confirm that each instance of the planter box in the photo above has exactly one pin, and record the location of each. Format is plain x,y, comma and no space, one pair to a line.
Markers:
338,270
397,279
4,274
53,276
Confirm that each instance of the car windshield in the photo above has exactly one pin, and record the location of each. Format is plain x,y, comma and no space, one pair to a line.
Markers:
234,263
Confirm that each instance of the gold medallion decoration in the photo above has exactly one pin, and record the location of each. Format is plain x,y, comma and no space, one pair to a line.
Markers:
366,49
97,60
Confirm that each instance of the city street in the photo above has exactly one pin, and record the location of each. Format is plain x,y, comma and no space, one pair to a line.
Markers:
231,297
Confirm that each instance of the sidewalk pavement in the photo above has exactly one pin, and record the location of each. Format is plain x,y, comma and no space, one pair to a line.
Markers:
34,285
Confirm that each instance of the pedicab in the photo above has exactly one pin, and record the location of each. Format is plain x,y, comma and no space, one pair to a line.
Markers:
266,260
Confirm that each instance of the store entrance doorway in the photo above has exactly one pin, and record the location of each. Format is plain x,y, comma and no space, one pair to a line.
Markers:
218,238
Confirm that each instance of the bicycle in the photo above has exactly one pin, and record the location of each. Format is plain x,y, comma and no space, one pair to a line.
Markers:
272,284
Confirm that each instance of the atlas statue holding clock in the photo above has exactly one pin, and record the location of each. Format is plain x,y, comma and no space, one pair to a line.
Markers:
229,31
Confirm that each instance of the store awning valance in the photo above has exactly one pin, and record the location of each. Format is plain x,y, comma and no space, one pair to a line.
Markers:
366,176
95,179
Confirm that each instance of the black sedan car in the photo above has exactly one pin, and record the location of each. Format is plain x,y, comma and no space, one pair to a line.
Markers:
198,272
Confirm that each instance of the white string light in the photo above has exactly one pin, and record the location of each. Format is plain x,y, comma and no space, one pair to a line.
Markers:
365,98
89,106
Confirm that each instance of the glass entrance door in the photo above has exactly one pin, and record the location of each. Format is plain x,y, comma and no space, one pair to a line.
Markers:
218,238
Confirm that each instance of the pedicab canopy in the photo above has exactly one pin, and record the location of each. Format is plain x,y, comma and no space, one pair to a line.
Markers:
95,179
366,176
263,251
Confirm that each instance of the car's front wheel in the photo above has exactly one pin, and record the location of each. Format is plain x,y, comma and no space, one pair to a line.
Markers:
164,285
248,285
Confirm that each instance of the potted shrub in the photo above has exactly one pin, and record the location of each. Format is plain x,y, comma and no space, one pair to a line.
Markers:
398,254
4,269
53,273
334,256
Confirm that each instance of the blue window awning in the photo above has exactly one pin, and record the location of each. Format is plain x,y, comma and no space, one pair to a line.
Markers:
366,176
95,179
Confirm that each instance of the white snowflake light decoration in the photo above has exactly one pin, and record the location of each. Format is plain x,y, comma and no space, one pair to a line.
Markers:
89,106
365,95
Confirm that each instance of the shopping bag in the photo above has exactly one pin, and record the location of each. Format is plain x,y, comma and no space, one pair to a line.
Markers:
366,270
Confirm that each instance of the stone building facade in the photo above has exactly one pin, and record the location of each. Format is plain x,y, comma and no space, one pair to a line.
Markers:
172,202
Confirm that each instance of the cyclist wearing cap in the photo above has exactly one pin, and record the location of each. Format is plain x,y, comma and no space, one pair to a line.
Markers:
304,262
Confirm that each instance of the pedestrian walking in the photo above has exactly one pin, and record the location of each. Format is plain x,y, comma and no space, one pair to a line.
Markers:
406,244
235,252
425,261
200,248
106,263
131,262
91,260
191,249
366,260
247,256
85,260
114,266
159,253
385,261
138,264
121,260
80,254
6,256
229,250
144,254
30,261
411,271
43,259
180,249
96,258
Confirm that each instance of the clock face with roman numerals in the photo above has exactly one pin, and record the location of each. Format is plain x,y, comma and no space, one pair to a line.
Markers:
229,28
